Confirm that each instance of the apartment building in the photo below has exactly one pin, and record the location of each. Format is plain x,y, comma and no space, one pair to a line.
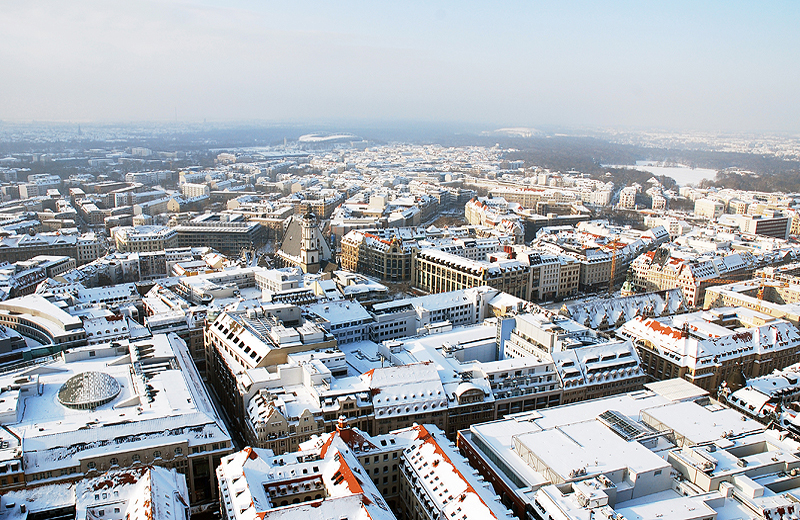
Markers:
322,206
327,481
627,198
585,365
496,213
708,208
770,399
392,320
389,255
347,321
191,190
438,482
659,270
451,379
708,347
152,491
778,226
306,397
553,277
260,336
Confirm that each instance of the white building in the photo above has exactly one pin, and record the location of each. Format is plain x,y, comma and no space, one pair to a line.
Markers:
708,208
191,190
659,203
439,483
348,321
627,197
707,347
150,492
112,406
666,452
144,238
316,484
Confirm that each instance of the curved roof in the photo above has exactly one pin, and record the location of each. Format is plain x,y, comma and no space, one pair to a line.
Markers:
88,390
466,386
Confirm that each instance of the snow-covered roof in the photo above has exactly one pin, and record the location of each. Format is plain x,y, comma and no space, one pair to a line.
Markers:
253,481
340,312
588,447
474,266
145,493
695,339
406,389
595,313
448,479
155,402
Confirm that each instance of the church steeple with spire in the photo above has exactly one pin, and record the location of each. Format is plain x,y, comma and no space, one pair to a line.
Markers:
304,246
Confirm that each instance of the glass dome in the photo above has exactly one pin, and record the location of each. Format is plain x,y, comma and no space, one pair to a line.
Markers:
88,390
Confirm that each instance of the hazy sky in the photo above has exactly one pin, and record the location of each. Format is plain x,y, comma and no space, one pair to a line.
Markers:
684,65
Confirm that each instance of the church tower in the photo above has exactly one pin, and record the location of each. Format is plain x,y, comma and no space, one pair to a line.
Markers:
309,244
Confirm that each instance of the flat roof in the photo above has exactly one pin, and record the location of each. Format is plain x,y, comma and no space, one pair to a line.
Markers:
592,446
55,436
676,389
701,424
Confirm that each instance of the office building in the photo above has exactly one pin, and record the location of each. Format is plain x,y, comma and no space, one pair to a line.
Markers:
436,271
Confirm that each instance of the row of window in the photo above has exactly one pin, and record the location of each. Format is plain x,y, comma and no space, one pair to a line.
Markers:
114,461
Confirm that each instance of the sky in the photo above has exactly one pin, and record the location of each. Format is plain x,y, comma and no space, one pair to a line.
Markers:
710,65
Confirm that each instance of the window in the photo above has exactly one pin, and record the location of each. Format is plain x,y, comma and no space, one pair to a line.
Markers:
178,451
114,461
91,465
156,454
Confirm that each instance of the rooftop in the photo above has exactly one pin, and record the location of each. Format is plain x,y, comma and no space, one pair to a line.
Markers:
136,394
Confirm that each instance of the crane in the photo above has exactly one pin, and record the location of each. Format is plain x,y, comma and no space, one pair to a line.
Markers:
613,268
